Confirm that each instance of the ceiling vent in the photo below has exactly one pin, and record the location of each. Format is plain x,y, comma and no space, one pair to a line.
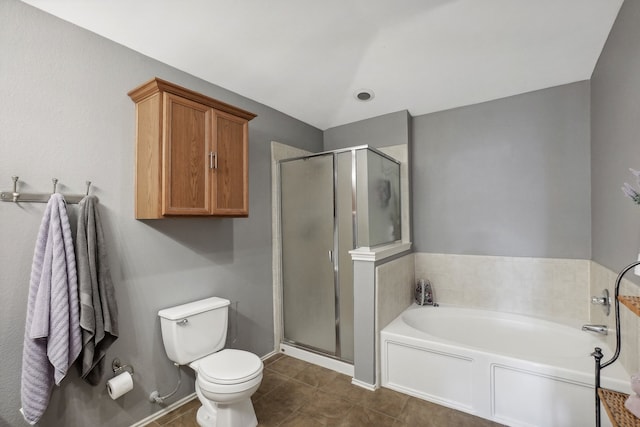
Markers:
364,95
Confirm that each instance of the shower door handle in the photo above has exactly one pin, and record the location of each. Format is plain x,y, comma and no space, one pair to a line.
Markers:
330,256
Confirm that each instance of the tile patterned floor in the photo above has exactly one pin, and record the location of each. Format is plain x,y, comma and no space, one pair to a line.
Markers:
298,394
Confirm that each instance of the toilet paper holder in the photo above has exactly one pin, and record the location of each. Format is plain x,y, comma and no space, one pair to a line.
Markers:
118,367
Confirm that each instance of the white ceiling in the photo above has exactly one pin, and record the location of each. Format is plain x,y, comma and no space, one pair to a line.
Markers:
309,58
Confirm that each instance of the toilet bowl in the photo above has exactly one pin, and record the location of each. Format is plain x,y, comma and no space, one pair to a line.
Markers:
194,334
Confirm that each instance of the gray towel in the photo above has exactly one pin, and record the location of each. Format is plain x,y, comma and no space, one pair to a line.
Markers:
52,337
98,308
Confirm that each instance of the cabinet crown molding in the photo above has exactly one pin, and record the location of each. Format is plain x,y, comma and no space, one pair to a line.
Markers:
156,85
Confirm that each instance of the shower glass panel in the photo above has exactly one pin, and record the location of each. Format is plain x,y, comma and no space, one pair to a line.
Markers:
378,192
307,215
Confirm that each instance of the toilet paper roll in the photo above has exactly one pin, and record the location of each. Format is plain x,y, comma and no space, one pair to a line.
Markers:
119,385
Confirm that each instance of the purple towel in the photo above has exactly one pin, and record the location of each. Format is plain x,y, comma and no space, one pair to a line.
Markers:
635,383
633,404
52,337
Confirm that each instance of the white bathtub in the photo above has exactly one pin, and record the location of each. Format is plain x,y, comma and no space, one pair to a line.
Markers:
515,370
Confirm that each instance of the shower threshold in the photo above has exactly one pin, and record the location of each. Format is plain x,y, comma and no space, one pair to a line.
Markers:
317,359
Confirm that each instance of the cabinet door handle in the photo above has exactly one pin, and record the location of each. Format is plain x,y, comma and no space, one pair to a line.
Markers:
213,160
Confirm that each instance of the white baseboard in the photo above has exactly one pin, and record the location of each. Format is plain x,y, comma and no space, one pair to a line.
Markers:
164,411
268,355
367,386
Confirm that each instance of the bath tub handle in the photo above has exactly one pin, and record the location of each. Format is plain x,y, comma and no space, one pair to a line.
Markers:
604,301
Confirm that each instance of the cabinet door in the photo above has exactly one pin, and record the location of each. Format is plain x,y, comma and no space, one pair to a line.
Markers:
230,175
186,147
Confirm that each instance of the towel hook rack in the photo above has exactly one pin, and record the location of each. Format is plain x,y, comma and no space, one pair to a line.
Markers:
15,196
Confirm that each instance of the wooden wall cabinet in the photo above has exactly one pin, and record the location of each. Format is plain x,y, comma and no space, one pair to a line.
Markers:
191,153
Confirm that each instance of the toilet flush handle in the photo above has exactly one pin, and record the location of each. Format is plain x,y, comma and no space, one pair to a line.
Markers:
183,322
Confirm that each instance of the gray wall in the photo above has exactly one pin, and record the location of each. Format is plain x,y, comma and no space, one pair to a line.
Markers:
615,144
507,177
65,114
381,131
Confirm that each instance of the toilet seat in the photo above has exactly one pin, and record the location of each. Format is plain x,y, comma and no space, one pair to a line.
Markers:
228,367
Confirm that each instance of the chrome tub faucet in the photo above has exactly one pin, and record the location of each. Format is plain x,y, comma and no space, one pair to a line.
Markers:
600,329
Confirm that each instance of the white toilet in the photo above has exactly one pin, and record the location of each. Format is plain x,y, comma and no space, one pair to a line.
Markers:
195,334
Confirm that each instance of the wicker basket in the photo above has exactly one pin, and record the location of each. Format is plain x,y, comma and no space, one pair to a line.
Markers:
613,402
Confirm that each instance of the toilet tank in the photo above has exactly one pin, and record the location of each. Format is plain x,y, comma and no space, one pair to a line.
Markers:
193,330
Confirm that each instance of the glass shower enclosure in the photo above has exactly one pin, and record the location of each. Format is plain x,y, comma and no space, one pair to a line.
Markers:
331,203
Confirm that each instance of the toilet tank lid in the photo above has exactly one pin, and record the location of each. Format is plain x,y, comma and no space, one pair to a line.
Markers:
189,309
